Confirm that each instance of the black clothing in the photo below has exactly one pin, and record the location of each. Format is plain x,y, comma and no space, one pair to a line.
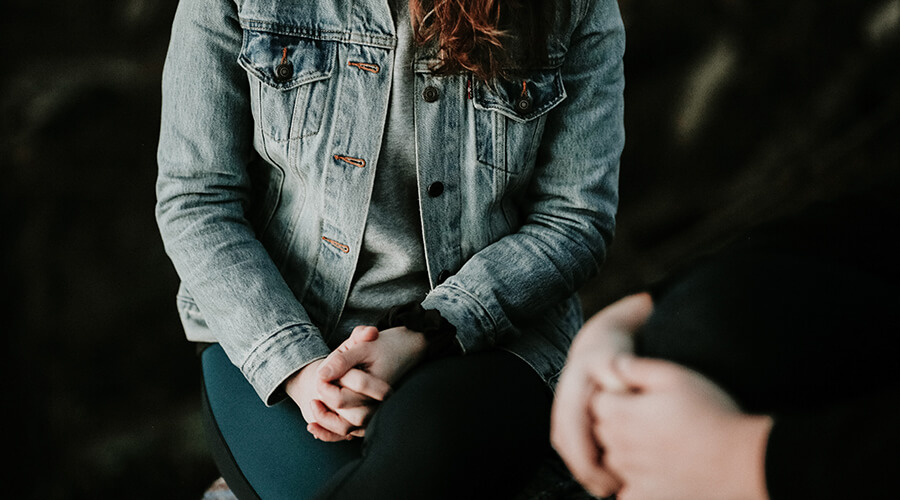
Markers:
797,320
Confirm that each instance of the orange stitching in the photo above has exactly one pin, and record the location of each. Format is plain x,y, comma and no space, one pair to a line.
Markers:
356,162
370,67
283,55
524,89
340,246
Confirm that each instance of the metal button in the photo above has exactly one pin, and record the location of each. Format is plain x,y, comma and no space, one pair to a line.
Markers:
442,276
284,72
523,105
430,94
435,189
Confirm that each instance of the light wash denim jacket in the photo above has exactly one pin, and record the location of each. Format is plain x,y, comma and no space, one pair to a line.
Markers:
272,119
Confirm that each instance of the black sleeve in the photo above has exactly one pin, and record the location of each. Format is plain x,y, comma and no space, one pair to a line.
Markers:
849,450
797,319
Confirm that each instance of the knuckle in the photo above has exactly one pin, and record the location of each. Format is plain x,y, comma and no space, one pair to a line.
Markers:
356,419
328,395
337,360
336,426
359,381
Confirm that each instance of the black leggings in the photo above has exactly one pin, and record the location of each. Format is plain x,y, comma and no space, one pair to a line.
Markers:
471,426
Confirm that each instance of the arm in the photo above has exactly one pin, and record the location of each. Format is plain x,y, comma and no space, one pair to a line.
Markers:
569,209
847,450
589,370
203,191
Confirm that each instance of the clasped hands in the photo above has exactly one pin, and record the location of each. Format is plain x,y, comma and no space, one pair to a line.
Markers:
649,429
338,395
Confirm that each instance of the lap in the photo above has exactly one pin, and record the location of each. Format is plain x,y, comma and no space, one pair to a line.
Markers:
268,446
456,423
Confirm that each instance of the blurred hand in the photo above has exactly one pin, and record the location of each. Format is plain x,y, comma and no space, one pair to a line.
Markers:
676,435
588,370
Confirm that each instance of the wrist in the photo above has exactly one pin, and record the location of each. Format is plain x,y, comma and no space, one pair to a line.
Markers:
293,382
416,345
438,334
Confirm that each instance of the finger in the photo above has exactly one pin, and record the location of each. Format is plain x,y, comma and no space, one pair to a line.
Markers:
357,417
339,362
330,420
583,456
602,483
366,384
605,376
631,312
627,314
337,397
324,434
627,493
644,373
608,410
571,430
359,335
364,334
569,418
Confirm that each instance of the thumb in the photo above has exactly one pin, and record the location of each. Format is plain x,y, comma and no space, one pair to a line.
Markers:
645,373
363,334
339,362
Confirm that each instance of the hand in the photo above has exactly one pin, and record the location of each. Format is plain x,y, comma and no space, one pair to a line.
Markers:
336,412
387,354
679,436
587,371
346,404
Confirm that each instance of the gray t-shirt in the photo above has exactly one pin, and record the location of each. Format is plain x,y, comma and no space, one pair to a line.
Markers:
391,268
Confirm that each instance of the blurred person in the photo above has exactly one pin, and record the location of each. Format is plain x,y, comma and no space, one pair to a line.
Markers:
380,212
765,370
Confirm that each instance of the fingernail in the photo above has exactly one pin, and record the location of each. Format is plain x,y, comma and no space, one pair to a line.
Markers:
325,371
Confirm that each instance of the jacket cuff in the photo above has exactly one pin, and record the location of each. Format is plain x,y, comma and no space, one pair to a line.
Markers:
475,327
281,355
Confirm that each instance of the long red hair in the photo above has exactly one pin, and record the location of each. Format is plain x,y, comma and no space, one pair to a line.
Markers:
488,38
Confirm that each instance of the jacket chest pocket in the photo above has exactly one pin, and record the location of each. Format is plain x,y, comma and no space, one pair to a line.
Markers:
510,117
289,82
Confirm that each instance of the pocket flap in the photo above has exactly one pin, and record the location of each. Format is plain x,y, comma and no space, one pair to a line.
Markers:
524,98
286,61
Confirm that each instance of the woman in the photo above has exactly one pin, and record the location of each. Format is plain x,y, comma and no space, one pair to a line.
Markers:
447,170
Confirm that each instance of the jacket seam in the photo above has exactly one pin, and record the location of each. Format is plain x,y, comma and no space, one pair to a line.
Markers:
268,339
382,41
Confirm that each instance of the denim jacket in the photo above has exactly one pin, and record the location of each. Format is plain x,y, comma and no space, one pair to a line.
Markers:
272,119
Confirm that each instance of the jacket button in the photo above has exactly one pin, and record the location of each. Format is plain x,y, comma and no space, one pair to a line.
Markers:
435,189
523,104
442,276
430,94
284,72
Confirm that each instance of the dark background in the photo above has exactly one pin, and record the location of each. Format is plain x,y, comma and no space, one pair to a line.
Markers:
737,111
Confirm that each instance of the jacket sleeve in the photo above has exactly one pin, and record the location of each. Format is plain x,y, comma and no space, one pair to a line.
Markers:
571,202
203,191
